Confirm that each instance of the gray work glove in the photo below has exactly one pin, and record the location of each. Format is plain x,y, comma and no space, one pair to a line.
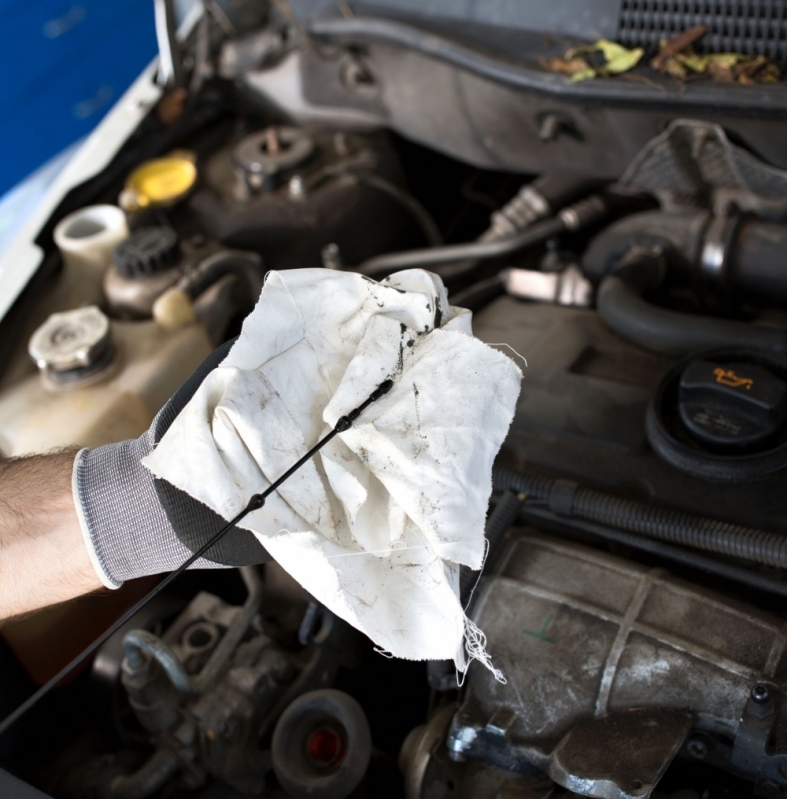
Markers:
136,525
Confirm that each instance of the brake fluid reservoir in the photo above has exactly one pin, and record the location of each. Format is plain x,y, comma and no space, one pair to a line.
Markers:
99,381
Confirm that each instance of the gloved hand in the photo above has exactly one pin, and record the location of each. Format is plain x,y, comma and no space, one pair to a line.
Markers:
134,524
376,525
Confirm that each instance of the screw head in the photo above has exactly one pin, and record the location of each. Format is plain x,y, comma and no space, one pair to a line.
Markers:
760,693
697,748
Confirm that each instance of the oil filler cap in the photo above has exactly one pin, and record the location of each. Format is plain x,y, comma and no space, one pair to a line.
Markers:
722,416
146,251
731,406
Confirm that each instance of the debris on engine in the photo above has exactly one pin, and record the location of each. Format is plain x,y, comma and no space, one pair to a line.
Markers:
675,57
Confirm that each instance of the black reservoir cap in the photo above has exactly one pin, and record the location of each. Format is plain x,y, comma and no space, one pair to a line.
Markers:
731,406
146,251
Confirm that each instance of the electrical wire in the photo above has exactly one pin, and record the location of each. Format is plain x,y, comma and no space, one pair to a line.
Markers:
407,201
359,168
256,502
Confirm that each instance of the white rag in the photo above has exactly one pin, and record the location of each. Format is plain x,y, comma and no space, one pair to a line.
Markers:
376,525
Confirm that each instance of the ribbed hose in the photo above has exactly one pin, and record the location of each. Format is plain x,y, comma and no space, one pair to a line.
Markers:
570,499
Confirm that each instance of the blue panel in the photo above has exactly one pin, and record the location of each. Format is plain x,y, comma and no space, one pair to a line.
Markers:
73,91
42,38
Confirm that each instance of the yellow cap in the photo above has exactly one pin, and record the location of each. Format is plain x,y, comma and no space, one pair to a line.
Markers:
162,181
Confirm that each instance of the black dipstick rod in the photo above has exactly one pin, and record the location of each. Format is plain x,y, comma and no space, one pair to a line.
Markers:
255,503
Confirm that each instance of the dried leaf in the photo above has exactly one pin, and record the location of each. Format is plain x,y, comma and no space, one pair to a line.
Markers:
584,74
770,73
747,70
672,66
720,67
624,62
758,69
677,44
616,59
726,60
693,62
565,66
610,50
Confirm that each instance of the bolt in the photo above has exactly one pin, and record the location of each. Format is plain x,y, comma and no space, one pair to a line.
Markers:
136,659
296,187
357,77
697,748
272,143
550,128
760,693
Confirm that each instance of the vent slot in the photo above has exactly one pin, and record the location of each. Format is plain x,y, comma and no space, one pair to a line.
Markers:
752,27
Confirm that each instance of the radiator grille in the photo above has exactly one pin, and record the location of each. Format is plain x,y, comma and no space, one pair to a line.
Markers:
753,27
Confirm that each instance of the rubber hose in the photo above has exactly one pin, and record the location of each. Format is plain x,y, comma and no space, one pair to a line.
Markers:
568,498
478,294
673,333
500,519
247,266
679,235
407,201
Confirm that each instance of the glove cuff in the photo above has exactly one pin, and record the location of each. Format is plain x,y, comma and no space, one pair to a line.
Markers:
126,531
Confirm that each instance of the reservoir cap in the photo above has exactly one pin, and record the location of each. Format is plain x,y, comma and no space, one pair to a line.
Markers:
146,251
160,182
72,340
731,406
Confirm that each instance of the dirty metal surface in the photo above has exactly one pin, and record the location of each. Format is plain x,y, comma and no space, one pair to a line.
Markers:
582,638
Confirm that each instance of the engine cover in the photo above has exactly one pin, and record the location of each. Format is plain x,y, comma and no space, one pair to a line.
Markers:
581,414
609,666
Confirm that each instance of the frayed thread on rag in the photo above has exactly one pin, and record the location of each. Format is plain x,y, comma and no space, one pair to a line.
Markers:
475,649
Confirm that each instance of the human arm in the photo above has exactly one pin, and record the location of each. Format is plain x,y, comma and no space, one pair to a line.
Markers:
70,525
43,558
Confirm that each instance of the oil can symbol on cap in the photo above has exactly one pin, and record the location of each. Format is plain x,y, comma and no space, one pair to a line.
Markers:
727,377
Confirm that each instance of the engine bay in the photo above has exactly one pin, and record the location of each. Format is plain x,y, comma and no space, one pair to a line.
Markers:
626,248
